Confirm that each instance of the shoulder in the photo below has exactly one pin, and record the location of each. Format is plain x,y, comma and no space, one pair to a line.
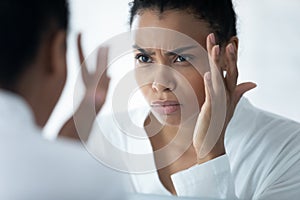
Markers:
256,126
123,123
61,165
117,132
261,147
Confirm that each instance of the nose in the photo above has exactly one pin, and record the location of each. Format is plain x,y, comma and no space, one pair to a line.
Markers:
158,87
164,80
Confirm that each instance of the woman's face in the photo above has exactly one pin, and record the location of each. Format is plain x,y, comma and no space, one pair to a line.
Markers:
169,65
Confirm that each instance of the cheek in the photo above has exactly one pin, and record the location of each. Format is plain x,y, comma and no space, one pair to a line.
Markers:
196,82
146,91
143,76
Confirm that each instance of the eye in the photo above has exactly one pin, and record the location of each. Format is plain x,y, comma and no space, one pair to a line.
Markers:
183,58
142,58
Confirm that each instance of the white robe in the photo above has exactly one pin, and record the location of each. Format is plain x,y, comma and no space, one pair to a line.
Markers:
34,168
262,158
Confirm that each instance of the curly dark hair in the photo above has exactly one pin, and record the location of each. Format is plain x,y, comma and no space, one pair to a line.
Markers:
219,14
23,25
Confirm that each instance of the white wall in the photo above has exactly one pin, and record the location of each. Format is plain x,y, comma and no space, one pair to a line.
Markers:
269,55
269,40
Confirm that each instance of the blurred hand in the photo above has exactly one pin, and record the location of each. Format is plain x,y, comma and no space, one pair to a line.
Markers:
96,83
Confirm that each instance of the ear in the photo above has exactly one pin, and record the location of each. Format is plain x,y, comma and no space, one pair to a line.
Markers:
58,48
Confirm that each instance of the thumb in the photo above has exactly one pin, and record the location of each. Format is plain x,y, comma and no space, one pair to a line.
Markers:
242,88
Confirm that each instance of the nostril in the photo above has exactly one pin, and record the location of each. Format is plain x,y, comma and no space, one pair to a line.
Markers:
167,90
171,86
158,87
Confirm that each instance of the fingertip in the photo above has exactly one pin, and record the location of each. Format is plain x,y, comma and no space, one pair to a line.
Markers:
79,36
245,87
212,38
207,76
231,48
210,42
252,85
231,53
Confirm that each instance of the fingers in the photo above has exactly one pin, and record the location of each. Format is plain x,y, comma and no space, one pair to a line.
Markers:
103,84
230,79
217,81
221,96
80,52
102,59
101,69
85,72
208,139
232,71
213,53
96,82
204,117
208,87
101,91
242,88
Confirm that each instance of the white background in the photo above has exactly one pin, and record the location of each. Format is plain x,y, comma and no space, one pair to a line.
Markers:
269,35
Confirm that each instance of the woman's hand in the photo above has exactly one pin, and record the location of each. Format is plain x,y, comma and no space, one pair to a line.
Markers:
222,95
96,85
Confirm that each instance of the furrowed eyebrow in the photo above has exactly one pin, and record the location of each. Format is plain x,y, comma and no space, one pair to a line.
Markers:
172,52
180,50
135,46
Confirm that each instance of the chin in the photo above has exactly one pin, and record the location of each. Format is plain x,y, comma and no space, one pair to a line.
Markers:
169,120
172,122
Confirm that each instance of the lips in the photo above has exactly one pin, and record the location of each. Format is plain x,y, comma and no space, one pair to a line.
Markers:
165,107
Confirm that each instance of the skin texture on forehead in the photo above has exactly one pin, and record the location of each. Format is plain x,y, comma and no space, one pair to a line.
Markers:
177,20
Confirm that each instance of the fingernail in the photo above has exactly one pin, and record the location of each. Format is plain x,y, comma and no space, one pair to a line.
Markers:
212,38
231,48
208,76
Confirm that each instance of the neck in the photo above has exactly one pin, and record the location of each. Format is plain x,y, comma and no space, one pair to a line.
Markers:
172,146
36,95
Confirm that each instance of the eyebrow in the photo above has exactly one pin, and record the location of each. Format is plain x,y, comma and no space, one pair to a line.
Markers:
180,50
172,52
135,46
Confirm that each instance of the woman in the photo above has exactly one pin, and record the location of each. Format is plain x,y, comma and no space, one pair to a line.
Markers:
257,158
163,91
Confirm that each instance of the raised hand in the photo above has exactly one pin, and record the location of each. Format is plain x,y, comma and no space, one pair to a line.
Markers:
96,84
222,95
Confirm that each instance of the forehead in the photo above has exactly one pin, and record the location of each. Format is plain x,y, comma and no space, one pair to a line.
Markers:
182,22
